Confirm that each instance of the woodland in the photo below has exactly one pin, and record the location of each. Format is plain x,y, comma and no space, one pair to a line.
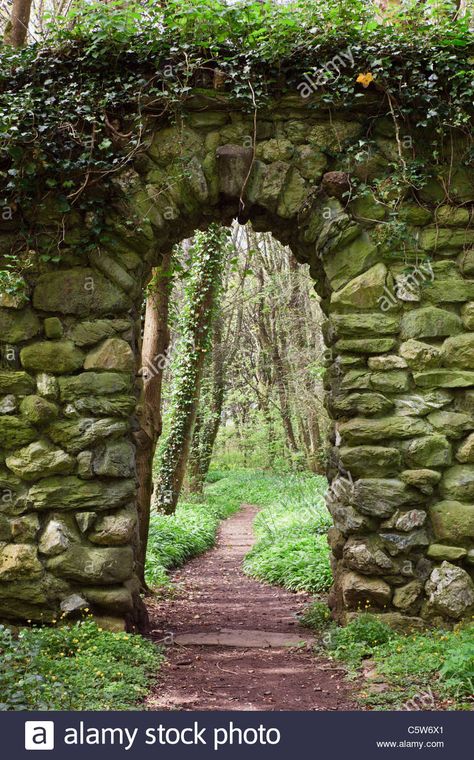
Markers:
241,435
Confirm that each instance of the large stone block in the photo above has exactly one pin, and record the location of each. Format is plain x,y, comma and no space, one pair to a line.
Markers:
57,357
370,461
360,403
450,591
19,383
458,482
18,561
359,591
363,292
77,435
360,430
421,403
458,352
112,354
430,322
94,384
427,451
93,565
444,378
465,452
40,460
365,324
69,492
453,521
89,332
15,432
80,291
380,497
452,424
17,326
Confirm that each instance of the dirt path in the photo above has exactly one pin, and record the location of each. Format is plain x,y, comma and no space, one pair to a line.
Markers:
237,643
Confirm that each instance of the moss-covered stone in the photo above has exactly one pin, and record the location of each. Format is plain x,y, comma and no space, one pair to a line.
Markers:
95,384
18,383
397,381
440,552
465,452
430,322
360,403
467,315
386,363
53,328
458,482
365,324
93,565
439,238
452,424
18,561
114,530
116,459
363,292
380,497
69,492
370,461
15,432
114,598
360,430
18,325
77,435
38,410
112,354
57,357
344,262
92,331
421,403
406,597
458,351
366,555
444,378
367,346
102,406
466,262
419,355
452,216
40,460
427,451
449,291
80,291
423,478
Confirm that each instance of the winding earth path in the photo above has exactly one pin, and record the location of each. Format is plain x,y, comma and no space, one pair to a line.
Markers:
235,643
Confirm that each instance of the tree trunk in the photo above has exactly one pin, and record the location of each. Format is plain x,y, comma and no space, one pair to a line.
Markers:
17,28
154,358
202,290
209,418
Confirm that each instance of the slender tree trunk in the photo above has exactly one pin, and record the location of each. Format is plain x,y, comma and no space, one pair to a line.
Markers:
209,249
155,346
209,417
17,28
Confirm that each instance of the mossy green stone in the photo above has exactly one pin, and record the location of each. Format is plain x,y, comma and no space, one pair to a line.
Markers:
458,483
360,403
18,383
444,378
80,291
427,451
38,410
56,357
451,424
430,322
370,461
15,432
440,552
363,292
76,435
458,352
365,324
94,565
53,328
94,384
367,346
18,325
360,430
452,521
40,460
69,492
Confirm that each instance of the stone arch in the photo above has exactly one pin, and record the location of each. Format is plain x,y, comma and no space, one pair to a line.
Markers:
400,374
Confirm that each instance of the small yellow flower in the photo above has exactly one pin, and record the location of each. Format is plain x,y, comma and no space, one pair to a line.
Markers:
365,79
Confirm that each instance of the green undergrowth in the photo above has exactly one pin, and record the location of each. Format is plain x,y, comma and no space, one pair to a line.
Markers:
192,529
423,671
291,548
74,667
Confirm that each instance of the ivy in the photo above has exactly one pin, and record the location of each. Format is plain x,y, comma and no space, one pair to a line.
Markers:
76,108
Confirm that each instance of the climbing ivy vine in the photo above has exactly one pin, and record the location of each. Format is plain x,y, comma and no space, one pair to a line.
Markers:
206,257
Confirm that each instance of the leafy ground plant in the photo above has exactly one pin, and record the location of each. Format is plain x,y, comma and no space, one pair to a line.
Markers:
292,549
438,663
74,667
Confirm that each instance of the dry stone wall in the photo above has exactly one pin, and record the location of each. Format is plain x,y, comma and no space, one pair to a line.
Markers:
396,281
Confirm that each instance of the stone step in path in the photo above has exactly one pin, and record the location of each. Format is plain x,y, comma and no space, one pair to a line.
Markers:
233,643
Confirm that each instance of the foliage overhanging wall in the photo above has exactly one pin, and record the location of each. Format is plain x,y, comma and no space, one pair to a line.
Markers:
394,266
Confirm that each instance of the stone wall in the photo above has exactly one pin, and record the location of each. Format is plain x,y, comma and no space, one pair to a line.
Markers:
395,281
